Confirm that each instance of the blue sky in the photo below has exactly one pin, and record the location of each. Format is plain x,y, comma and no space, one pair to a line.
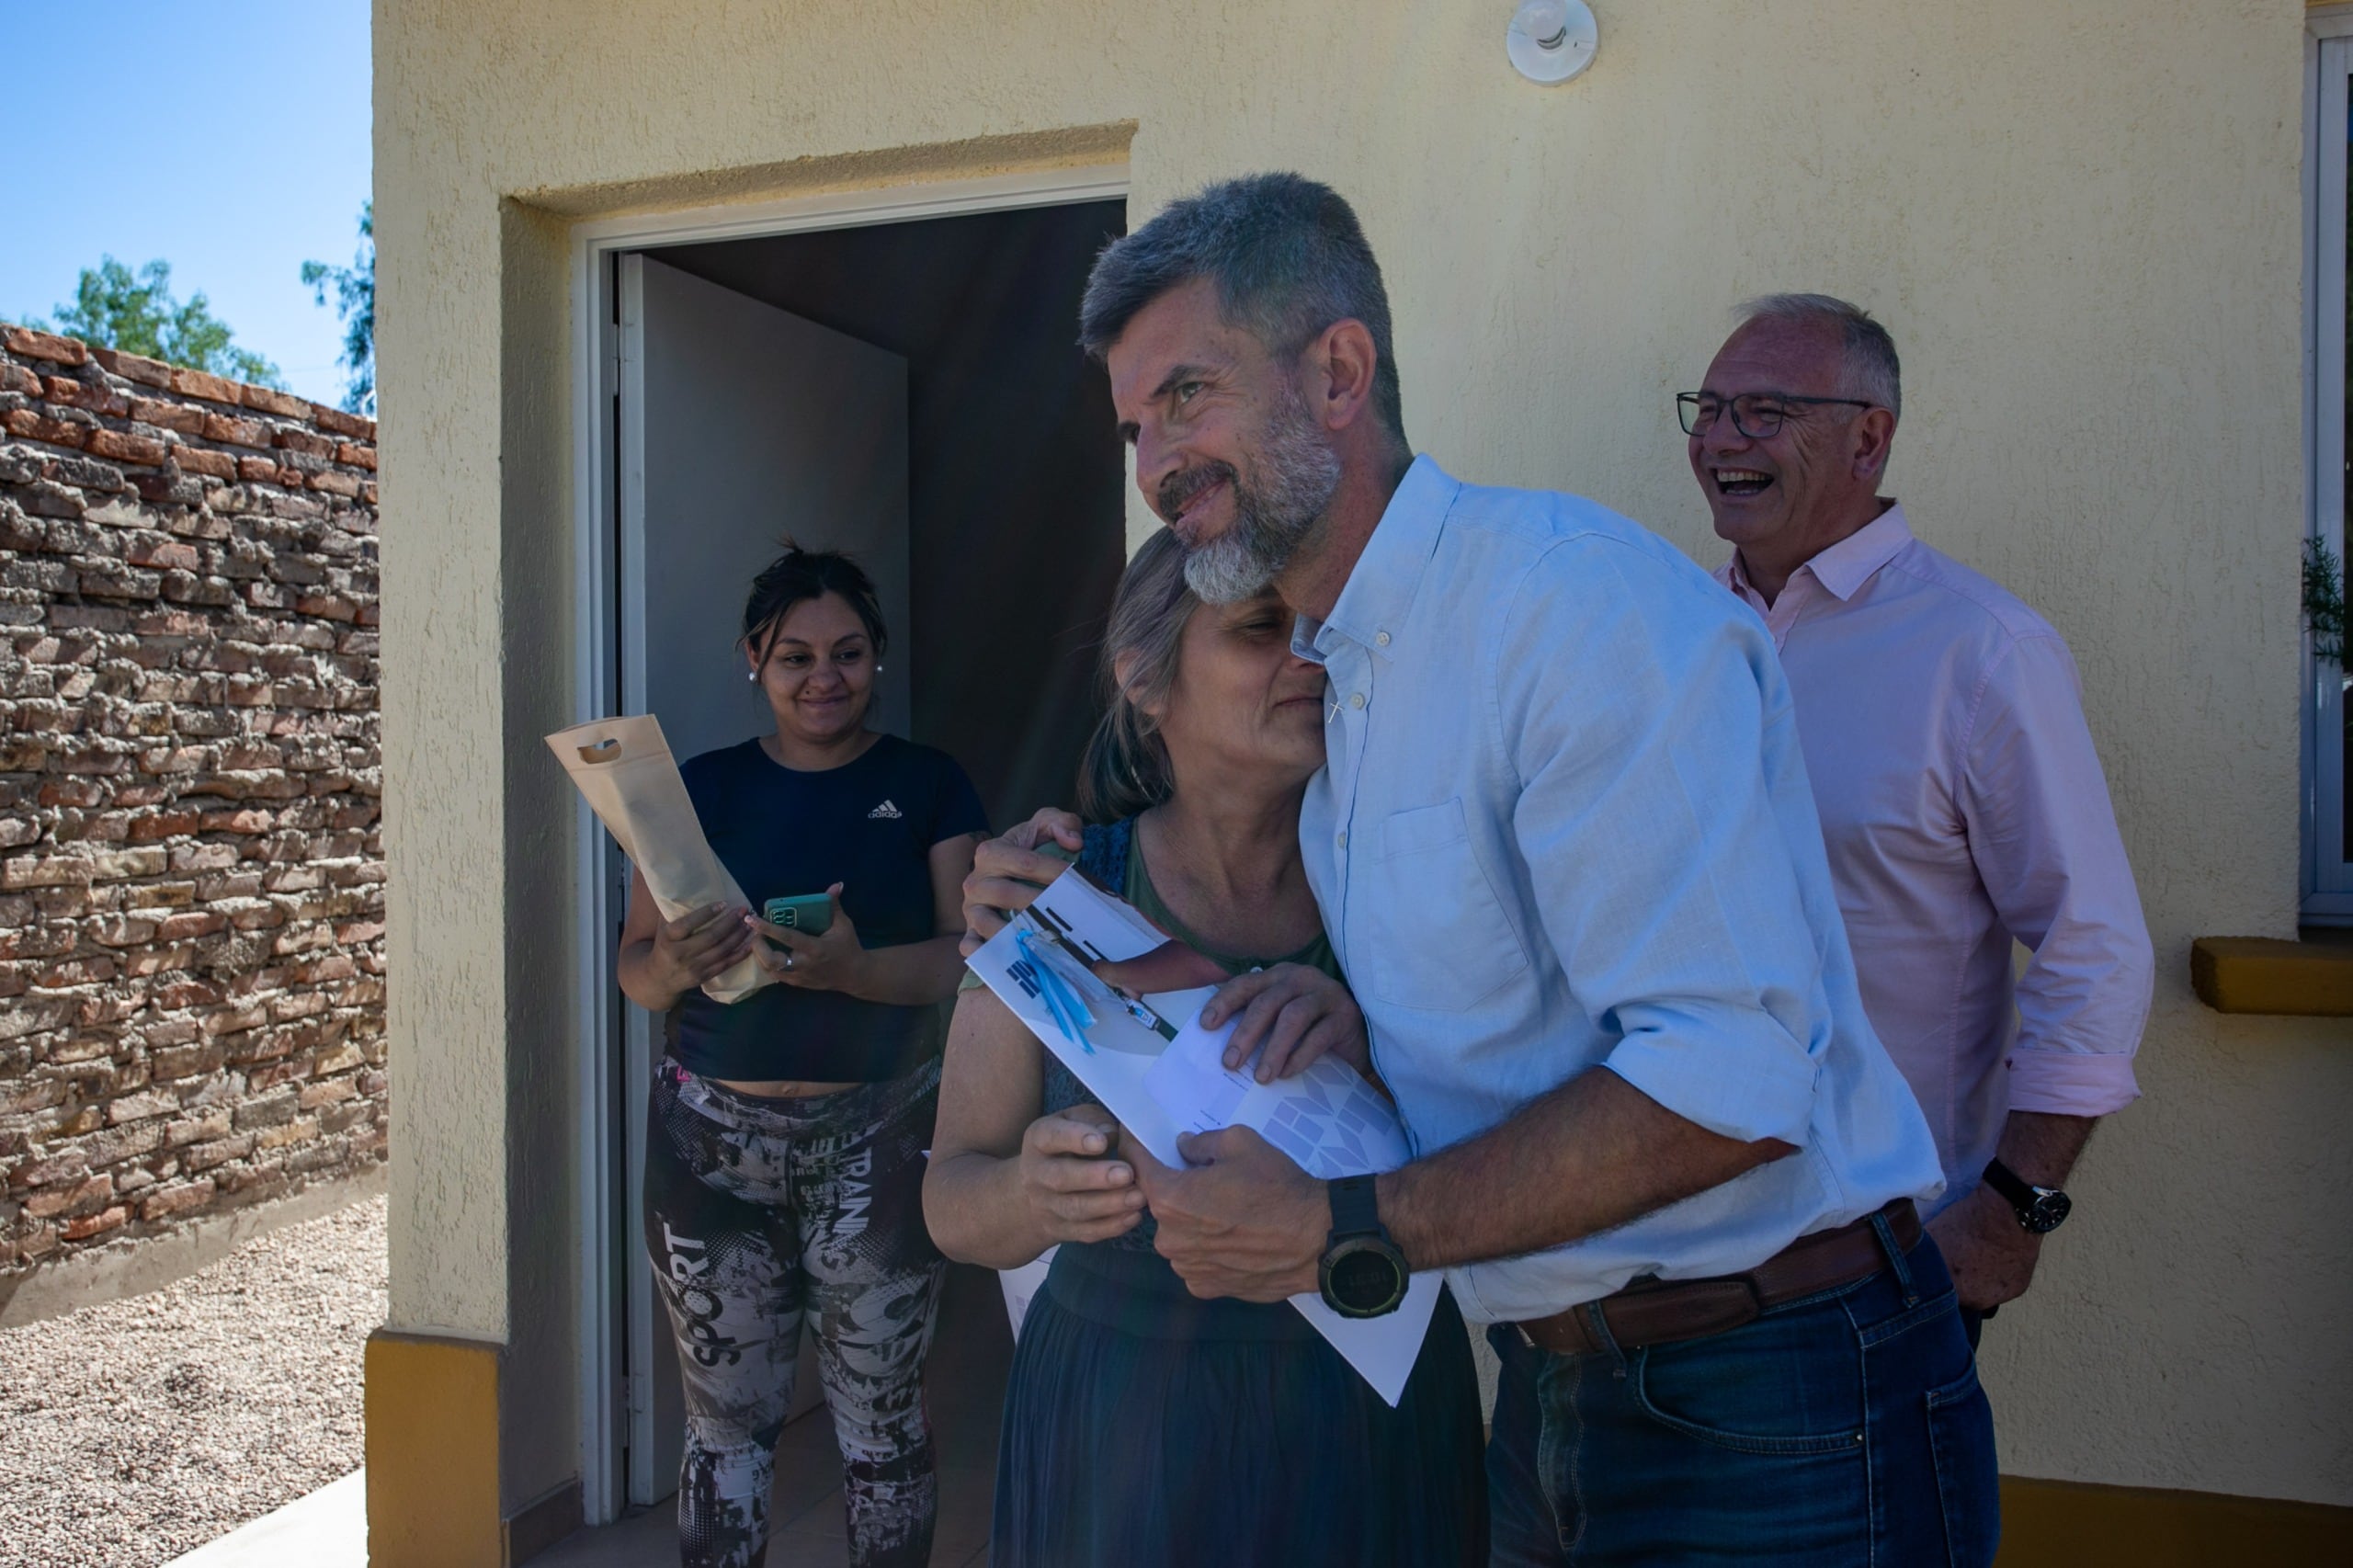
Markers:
230,139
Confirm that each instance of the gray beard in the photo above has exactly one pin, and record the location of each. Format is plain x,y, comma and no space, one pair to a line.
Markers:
1298,472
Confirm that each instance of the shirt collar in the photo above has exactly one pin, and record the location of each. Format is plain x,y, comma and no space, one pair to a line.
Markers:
1846,566
1381,587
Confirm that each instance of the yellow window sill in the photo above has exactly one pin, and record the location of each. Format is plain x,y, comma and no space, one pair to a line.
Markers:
2311,979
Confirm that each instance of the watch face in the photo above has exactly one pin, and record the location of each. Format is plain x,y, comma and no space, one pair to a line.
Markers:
2050,1208
1365,1277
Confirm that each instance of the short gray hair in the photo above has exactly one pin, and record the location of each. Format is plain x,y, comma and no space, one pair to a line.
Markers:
1871,372
1288,259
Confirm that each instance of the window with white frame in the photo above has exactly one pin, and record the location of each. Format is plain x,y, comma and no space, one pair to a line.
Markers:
2328,716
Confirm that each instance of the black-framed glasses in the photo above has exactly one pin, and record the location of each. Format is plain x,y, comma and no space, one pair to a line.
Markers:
1756,415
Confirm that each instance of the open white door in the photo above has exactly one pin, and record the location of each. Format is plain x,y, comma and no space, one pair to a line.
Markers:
739,424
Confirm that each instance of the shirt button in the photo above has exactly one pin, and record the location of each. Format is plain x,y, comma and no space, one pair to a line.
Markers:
1344,838
1381,639
1355,699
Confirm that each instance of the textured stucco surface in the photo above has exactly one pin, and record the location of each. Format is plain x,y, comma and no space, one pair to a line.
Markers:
2082,219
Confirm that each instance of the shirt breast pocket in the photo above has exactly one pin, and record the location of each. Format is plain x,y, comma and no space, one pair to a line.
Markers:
1446,943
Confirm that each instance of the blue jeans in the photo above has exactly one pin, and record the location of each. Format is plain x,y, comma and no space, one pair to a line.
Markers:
1845,1429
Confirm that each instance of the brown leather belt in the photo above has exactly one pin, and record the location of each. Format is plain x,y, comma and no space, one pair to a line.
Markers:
1660,1312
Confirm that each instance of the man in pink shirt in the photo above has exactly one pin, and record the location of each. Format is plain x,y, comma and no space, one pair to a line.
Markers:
1961,799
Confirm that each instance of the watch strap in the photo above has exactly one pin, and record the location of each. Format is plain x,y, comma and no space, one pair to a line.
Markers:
2014,1188
1355,1210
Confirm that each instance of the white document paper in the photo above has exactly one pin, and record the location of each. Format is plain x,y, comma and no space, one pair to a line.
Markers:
1328,1119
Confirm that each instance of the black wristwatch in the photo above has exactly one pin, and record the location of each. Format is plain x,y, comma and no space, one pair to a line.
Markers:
2041,1208
1363,1274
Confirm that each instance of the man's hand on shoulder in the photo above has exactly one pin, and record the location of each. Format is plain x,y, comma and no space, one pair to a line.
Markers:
1009,871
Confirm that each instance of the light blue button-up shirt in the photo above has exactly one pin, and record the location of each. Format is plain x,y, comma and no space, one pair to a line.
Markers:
1565,824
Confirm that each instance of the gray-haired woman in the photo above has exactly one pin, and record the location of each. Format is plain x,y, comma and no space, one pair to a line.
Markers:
1143,1426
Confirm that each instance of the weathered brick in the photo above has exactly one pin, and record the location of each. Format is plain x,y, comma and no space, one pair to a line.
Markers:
236,432
94,1224
330,482
139,1107
287,1133
284,404
199,460
117,863
178,1199
166,415
212,389
298,440
134,367
32,426
71,1197
95,397
45,870
47,346
162,825
125,447
356,456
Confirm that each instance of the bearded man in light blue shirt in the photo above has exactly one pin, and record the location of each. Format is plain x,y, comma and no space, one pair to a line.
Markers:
1564,848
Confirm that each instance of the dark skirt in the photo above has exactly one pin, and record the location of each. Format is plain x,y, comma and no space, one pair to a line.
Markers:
1143,1427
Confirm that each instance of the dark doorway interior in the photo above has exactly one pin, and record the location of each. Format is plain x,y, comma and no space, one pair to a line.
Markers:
1016,539
1015,480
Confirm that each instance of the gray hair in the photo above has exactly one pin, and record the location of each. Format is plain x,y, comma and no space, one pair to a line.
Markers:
1126,769
1871,372
1288,259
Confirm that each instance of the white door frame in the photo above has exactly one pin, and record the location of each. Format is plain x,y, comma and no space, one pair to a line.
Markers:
599,870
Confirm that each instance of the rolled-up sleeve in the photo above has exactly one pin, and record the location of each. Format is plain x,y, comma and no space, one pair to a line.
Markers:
2043,836
1660,865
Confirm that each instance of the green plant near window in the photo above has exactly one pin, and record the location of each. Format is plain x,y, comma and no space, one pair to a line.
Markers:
2325,602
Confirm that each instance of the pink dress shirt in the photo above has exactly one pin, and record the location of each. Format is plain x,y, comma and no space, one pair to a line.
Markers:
1963,806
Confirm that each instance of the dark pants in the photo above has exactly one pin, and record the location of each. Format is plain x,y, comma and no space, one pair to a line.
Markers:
1845,1430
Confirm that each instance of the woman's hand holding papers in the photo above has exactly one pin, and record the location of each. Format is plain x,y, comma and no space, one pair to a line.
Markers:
1075,1189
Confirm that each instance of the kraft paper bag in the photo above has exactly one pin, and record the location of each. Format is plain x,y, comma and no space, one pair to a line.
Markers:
623,768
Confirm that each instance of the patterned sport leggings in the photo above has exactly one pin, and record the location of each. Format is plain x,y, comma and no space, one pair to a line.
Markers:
758,1211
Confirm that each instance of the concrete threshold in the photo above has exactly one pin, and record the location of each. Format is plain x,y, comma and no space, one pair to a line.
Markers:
326,1529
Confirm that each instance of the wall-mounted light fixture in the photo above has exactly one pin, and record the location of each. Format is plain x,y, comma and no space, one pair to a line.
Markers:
1552,40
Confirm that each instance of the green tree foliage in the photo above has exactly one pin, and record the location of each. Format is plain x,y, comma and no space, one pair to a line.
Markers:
2324,616
117,309
354,302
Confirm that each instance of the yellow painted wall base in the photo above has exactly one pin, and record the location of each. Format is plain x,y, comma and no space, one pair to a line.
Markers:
2258,974
2063,1524
432,1448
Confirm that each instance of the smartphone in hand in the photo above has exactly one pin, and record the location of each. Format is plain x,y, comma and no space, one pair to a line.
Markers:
810,913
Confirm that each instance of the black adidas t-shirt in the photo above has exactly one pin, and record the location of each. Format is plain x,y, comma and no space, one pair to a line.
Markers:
869,825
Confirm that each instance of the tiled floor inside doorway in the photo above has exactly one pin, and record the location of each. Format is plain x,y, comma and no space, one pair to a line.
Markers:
966,1384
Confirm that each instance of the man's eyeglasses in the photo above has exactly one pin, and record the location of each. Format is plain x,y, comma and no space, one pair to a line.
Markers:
1756,415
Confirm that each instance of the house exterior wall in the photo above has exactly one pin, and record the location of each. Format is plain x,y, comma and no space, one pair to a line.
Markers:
191,888
2082,219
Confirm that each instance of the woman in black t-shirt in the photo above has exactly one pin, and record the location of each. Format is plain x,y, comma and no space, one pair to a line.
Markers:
784,1159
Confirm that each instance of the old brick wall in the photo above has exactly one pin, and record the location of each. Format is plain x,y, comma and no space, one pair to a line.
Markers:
191,884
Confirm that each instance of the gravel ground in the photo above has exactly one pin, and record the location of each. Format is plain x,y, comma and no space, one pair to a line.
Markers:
139,1429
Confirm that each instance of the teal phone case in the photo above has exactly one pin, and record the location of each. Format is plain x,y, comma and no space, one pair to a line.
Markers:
810,913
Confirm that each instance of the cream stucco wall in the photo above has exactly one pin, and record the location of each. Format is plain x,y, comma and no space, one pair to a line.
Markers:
2082,219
